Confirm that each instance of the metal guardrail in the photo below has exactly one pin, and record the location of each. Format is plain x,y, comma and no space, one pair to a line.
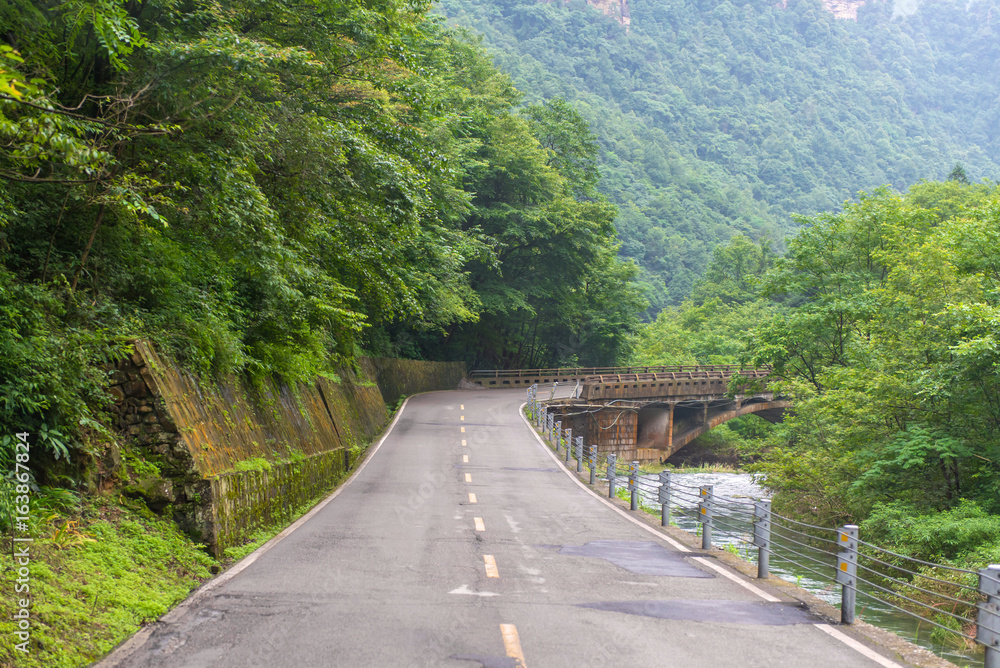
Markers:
966,605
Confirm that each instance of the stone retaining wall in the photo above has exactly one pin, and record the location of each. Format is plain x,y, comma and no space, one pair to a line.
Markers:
235,458
398,378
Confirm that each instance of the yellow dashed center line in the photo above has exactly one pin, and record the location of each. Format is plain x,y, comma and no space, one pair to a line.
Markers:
468,477
465,459
462,418
512,644
472,498
461,407
491,566
463,441
479,524
463,430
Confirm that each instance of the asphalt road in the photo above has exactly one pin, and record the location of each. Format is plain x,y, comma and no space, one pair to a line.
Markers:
462,543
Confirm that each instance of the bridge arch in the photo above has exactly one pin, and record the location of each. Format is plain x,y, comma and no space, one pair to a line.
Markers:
667,428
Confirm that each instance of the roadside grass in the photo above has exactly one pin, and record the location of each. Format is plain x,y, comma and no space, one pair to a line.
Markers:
97,574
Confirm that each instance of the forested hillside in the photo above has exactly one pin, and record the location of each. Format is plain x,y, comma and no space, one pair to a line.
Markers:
717,117
264,188
882,321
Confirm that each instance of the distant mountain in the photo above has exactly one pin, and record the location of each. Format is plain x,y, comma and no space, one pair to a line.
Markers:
717,117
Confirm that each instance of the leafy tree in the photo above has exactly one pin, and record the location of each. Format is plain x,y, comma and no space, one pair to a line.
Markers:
958,174
266,188
715,120
885,337
734,271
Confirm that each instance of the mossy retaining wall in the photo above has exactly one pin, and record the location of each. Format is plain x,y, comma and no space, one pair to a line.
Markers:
398,378
247,500
236,458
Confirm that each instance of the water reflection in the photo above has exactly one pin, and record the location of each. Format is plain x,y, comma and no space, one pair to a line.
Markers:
813,568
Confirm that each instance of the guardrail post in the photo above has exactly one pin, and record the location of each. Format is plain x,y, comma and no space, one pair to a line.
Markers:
569,443
633,485
592,463
558,434
705,513
847,571
988,617
762,535
579,453
553,395
612,471
664,498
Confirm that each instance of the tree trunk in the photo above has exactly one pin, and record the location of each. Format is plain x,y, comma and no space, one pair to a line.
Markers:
90,243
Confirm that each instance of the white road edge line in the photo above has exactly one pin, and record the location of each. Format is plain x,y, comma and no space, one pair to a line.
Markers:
125,650
858,647
572,476
846,639
743,583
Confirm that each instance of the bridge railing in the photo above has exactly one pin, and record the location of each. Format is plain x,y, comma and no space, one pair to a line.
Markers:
674,375
958,603
603,370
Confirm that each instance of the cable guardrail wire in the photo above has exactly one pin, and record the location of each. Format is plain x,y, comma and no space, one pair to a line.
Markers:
832,555
919,574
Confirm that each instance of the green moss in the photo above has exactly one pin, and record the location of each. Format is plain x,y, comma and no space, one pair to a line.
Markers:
254,464
266,533
89,596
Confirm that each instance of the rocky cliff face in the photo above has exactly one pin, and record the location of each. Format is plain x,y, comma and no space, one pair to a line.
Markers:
616,9
844,9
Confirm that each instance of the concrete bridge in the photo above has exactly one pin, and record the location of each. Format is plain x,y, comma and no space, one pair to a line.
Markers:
649,413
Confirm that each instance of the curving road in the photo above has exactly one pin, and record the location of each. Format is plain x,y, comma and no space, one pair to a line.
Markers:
461,542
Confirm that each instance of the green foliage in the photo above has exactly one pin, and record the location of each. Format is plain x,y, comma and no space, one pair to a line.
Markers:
945,536
716,118
885,334
269,189
99,571
711,327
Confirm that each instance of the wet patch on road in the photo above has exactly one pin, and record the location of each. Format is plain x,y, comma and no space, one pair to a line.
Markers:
757,613
487,661
640,557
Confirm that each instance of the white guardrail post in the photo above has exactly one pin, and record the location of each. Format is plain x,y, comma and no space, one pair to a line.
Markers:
705,513
612,470
664,498
847,571
988,617
633,485
762,535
